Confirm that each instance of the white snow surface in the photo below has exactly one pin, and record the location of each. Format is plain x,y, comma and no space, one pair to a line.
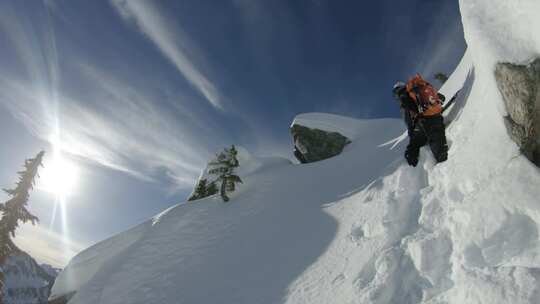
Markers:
361,227
246,251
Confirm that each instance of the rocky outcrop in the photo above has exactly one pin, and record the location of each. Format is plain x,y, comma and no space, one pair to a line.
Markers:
520,88
313,145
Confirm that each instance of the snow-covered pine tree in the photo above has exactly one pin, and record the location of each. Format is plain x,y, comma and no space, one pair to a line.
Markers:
223,167
14,209
201,190
212,189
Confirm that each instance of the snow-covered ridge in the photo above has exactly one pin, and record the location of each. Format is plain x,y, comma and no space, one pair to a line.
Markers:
274,226
363,226
347,126
250,164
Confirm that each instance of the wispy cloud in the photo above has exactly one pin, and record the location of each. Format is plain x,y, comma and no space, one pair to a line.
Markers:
47,246
171,41
115,122
125,132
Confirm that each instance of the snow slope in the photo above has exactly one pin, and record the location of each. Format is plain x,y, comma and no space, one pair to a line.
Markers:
246,251
250,165
362,227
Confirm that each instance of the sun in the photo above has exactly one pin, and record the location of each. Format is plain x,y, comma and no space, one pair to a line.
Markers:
58,176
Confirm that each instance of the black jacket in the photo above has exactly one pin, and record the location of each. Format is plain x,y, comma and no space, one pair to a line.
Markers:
409,109
406,102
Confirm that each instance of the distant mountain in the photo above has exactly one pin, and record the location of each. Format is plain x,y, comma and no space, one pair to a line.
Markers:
26,281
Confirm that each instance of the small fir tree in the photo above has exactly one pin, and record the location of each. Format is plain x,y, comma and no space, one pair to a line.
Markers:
441,77
212,189
14,209
201,190
223,167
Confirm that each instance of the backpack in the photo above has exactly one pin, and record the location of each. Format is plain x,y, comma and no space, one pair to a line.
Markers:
425,96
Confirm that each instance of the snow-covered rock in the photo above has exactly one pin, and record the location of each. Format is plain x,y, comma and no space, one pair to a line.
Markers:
520,88
319,136
362,226
346,126
313,145
26,281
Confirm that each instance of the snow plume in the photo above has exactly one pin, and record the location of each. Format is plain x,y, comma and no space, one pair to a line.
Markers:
444,46
171,41
444,40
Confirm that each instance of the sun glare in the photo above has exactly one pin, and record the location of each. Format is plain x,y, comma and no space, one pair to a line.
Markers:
59,176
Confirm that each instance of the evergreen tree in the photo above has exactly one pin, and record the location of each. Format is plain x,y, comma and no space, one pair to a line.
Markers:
201,190
441,77
223,167
14,209
212,189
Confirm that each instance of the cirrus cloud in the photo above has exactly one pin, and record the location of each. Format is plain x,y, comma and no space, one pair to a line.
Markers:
172,41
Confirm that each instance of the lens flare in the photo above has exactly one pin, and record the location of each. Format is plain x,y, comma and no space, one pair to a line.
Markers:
59,176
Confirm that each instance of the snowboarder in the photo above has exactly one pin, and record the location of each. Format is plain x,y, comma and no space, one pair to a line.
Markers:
421,105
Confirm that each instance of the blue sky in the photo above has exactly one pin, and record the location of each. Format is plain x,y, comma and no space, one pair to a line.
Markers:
138,95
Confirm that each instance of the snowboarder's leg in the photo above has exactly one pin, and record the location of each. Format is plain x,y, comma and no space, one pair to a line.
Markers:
417,139
434,127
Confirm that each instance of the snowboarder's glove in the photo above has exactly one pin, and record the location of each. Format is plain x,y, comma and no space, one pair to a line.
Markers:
412,160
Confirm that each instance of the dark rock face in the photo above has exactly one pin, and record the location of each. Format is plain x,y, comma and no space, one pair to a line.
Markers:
313,145
520,88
